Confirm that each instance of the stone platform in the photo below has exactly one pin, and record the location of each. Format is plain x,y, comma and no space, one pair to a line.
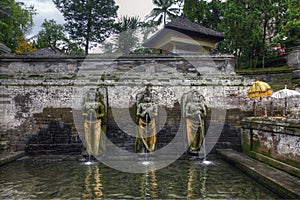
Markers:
7,157
282,183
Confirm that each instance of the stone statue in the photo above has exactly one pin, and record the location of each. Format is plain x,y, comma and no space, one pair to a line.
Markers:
195,112
93,112
146,113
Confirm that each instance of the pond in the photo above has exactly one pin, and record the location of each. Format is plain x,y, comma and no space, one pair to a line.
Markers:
183,179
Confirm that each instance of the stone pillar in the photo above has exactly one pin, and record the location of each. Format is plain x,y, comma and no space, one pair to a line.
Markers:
293,60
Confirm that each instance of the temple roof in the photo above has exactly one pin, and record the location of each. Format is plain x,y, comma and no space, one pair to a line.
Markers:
183,24
185,34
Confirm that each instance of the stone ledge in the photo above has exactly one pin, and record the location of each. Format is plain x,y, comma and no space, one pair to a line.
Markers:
7,157
280,182
272,124
277,164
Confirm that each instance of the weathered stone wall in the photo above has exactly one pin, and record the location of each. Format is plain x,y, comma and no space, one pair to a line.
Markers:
37,90
275,141
293,60
277,78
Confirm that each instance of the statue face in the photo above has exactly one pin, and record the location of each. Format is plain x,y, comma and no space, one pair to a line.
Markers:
195,98
147,98
91,96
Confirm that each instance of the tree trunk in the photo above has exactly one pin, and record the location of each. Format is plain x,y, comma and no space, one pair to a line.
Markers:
264,42
87,47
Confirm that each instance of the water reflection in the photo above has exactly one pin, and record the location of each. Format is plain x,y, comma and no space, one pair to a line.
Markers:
93,183
74,180
149,185
197,179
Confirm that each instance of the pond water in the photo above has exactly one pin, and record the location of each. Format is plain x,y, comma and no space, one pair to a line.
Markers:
25,179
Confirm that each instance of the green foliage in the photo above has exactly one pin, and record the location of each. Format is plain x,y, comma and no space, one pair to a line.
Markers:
88,20
264,70
15,21
243,33
250,26
54,35
208,14
290,26
165,9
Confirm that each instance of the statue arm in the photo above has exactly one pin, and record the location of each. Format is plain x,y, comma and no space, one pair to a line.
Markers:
84,110
155,110
187,111
138,110
203,109
101,111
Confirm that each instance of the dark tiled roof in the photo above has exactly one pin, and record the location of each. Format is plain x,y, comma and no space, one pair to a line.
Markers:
183,24
4,49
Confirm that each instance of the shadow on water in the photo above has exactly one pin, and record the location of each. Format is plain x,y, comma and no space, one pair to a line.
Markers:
26,179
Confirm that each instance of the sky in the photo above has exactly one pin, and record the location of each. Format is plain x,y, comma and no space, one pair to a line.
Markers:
46,10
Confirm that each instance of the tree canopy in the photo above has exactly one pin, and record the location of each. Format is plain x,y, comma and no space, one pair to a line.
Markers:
15,21
251,27
164,10
54,35
88,20
208,14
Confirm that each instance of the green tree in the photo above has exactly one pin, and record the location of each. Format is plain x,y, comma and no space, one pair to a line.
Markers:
208,14
164,10
271,13
54,35
251,27
290,27
88,20
243,32
15,21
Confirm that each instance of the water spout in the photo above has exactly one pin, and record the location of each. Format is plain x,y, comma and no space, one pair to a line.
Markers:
146,162
204,161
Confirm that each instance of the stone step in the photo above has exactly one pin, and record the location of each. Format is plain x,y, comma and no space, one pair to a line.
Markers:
54,149
286,185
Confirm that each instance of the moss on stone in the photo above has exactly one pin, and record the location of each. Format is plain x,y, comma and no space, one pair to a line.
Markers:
5,76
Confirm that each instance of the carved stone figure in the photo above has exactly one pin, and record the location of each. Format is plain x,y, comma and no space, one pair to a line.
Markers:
195,112
147,111
93,112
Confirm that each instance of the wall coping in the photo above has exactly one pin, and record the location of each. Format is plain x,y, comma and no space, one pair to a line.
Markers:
274,124
56,58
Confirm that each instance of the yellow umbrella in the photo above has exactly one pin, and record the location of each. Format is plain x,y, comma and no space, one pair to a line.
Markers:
259,89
